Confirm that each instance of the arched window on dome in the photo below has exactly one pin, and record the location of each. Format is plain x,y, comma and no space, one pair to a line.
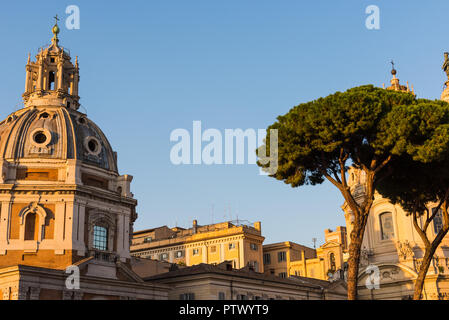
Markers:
30,226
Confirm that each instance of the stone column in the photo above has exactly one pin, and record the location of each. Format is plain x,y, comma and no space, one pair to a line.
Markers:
60,227
81,213
60,75
4,223
28,79
40,75
121,234
75,82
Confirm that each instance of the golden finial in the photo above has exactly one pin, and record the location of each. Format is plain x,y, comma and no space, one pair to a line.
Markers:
55,30
393,70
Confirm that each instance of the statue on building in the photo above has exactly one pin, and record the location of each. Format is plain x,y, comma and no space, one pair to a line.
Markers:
446,64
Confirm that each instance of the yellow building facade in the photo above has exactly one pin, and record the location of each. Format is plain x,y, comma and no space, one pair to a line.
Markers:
287,259
210,244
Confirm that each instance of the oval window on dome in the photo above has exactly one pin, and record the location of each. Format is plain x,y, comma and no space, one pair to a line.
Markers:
92,145
44,115
82,120
40,137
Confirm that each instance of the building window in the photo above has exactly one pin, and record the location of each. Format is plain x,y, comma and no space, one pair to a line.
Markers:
283,275
332,265
163,256
254,265
437,221
179,254
253,246
100,238
213,249
266,258
30,226
187,296
282,256
386,225
231,246
51,81
221,296
196,252
147,239
242,297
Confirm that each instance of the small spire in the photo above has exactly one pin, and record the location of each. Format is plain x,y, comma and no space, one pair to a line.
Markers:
446,64
76,61
395,85
55,31
29,58
393,70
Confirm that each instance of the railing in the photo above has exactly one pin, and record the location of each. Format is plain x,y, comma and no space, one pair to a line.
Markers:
103,256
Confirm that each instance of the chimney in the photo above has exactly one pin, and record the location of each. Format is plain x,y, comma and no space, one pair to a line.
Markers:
195,226
258,226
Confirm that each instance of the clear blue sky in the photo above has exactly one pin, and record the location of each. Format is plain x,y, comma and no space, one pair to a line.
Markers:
148,67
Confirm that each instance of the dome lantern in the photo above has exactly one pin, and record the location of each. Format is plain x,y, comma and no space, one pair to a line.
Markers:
52,79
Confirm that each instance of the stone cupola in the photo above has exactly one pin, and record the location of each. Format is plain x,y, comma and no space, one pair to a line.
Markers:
52,79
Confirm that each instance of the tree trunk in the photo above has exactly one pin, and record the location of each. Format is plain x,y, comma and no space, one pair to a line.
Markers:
354,260
426,261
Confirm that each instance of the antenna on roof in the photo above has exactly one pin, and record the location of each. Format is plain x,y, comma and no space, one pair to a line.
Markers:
314,242
212,213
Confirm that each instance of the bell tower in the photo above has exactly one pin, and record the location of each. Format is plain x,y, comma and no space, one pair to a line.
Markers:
52,79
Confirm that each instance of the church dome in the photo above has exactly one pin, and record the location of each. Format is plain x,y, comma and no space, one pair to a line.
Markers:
54,133
50,127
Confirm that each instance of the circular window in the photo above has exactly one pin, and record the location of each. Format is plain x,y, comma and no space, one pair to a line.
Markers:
92,145
40,137
82,120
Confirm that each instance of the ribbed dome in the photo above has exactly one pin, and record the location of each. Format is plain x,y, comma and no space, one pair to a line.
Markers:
54,133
